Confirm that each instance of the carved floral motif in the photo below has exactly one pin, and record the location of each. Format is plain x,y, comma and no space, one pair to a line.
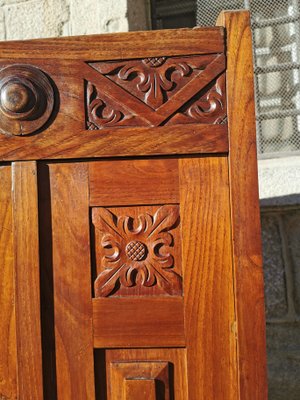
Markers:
100,114
210,108
199,79
137,253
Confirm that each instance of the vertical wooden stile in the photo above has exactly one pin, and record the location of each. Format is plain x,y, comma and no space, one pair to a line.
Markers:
209,300
72,282
245,219
27,280
8,357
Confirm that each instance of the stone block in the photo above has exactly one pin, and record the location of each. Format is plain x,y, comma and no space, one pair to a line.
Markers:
275,290
283,345
292,230
35,19
90,16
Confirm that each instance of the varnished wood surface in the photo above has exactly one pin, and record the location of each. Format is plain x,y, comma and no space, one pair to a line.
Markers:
208,280
128,181
247,253
176,358
59,142
115,46
136,389
196,308
72,282
8,353
27,280
135,322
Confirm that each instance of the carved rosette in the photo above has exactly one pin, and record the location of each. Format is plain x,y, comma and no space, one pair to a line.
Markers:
137,253
26,99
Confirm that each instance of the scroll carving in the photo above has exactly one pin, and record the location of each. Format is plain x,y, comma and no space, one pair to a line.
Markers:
158,85
209,107
137,252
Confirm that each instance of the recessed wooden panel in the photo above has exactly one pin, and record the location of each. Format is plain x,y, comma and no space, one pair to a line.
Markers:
137,251
138,322
145,380
141,388
8,354
133,182
175,359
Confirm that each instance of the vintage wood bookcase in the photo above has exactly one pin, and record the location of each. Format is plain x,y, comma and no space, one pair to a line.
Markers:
130,237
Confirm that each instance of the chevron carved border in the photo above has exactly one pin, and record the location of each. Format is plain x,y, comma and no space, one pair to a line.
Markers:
155,91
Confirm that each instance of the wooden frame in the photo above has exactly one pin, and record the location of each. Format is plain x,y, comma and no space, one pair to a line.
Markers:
246,234
202,170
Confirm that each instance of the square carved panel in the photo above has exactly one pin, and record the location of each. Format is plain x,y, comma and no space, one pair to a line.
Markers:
137,251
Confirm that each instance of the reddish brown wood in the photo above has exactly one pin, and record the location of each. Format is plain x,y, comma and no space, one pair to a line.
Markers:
138,251
174,358
135,389
149,265
111,46
129,182
135,322
208,281
139,380
245,208
27,280
26,99
8,354
64,143
72,282
152,90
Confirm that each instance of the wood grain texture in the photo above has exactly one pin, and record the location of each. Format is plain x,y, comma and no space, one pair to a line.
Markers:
115,86
8,354
115,46
208,280
72,281
135,322
27,280
58,142
139,380
136,389
176,359
130,181
246,235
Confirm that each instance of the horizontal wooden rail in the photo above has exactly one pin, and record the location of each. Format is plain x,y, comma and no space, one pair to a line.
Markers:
138,322
113,46
122,142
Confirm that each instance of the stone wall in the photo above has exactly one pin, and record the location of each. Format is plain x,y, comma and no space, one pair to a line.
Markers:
26,19
281,248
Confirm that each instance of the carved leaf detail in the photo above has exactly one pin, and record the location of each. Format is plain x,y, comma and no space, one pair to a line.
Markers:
137,253
100,113
210,108
193,86
153,80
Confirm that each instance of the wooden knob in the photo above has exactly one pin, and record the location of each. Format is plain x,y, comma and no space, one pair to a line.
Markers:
26,99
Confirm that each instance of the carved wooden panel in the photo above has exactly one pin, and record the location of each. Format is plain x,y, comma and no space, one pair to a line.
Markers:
147,380
157,91
137,250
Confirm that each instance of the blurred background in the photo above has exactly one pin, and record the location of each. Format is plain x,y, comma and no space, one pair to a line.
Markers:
276,55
